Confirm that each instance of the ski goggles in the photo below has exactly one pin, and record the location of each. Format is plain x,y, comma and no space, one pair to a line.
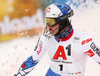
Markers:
54,21
50,21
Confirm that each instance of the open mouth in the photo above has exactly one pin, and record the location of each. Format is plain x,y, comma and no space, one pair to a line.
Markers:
50,29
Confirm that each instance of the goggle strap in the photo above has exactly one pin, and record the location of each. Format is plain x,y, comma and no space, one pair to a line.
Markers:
65,16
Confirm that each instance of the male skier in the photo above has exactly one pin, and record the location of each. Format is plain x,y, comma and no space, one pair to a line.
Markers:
68,48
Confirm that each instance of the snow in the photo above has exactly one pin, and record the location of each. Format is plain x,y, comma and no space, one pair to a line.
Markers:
14,52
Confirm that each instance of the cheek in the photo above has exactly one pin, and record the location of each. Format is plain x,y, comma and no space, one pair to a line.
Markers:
57,29
57,26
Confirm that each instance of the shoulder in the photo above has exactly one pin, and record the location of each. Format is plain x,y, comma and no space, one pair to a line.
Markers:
44,39
80,34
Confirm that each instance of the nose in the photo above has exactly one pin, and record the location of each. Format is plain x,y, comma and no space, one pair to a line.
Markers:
48,26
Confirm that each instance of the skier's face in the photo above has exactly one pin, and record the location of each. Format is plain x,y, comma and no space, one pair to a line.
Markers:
54,29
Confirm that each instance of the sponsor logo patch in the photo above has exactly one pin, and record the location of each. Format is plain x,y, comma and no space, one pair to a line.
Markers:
90,53
95,48
86,41
40,48
48,9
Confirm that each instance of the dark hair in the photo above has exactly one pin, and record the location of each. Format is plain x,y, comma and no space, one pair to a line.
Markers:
63,24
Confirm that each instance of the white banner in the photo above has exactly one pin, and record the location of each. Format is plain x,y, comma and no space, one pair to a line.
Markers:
25,23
